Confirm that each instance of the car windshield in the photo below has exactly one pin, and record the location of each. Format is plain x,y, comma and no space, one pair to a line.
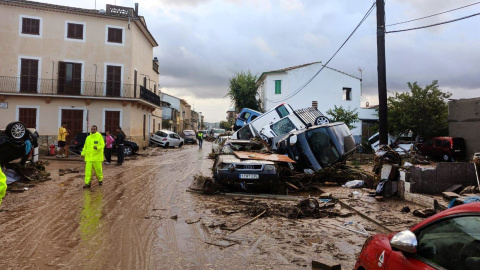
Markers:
322,146
189,132
241,146
219,131
283,127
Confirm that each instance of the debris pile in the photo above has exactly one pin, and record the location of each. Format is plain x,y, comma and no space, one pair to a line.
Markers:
31,171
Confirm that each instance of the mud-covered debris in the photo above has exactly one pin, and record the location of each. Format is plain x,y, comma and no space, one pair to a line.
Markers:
67,171
424,212
31,171
175,217
469,190
204,184
405,209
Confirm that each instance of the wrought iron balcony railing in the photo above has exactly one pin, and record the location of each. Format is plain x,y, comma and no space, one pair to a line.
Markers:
33,86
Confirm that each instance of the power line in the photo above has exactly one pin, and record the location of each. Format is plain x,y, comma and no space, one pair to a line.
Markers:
323,66
432,25
433,15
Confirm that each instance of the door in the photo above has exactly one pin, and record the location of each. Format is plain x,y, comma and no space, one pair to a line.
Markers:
29,76
112,121
114,80
135,84
74,120
28,116
69,78
144,126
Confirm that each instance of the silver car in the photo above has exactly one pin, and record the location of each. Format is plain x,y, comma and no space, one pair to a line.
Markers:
166,138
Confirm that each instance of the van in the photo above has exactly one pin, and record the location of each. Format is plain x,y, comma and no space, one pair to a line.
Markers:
318,147
444,148
245,116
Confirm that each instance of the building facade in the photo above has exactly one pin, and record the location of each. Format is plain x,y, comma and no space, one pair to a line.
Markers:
80,66
464,121
329,88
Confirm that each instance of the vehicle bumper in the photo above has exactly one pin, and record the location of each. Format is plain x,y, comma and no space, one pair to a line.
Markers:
153,141
190,141
232,178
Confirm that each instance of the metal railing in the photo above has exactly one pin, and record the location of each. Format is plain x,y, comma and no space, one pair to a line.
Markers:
39,86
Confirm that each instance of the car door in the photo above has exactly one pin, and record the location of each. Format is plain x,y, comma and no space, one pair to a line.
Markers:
451,243
173,140
437,148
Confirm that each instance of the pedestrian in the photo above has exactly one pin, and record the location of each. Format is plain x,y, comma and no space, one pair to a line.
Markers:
62,136
3,185
200,139
108,147
93,153
119,141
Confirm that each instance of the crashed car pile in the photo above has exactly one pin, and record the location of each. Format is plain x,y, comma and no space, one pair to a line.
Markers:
17,141
282,139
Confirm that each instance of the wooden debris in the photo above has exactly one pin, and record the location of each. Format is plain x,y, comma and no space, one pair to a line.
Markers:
325,264
450,195
246,223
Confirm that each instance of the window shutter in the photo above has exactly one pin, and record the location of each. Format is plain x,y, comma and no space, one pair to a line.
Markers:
61,77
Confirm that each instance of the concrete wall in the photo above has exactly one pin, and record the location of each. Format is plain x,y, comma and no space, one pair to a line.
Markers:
464,121
446,174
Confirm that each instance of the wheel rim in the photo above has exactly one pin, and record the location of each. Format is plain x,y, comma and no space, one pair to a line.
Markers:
446,157
18,131
128,151
322,120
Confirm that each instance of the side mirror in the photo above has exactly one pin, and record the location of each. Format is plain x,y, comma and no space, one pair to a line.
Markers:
405,241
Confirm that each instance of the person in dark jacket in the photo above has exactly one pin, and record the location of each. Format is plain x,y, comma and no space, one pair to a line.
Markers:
119,141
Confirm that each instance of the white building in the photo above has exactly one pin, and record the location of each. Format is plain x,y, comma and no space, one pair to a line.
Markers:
329,88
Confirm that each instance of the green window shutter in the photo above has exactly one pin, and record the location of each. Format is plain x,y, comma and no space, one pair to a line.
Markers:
278,87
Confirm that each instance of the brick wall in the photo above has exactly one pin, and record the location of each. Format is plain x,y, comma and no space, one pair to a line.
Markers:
436,180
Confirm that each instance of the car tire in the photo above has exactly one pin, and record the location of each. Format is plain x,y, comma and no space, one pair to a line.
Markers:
128,151
16,130
166,145
180,145
446,157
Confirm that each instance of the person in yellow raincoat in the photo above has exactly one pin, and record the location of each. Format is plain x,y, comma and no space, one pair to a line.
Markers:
93,153
3,185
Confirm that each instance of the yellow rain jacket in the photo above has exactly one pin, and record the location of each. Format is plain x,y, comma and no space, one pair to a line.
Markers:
89,152
3,185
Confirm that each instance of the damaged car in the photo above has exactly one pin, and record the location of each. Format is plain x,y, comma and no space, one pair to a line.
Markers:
317,147
17,141
245,174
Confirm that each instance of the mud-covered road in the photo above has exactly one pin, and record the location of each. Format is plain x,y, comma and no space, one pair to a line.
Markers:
143,218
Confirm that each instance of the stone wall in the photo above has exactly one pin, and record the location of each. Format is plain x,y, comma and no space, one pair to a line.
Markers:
446,174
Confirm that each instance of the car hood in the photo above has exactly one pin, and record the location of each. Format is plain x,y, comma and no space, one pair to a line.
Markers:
229,159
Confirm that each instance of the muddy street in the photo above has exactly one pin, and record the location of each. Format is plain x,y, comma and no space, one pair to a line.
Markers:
143,218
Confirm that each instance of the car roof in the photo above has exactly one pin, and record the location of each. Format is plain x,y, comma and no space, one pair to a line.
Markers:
166,131
461,209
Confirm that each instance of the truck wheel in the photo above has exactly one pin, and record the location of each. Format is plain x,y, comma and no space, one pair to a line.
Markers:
16,130
446,157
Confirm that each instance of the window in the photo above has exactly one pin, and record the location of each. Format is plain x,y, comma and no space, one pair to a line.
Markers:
446,143
438,143
115,35
347,93
114,80
75,31
28,116
452,244
28,75
282,127
278,87
69,78
30,26
282,111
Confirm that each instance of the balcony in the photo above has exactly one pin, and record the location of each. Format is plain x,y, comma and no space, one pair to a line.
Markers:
49,87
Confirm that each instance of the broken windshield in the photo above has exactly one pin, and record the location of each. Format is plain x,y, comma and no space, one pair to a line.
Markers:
322,146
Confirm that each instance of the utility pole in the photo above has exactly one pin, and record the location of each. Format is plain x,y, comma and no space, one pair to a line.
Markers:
382,73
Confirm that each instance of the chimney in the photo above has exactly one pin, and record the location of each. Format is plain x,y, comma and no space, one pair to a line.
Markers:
315,104
136,8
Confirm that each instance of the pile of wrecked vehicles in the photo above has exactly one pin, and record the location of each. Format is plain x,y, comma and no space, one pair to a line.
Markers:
276,145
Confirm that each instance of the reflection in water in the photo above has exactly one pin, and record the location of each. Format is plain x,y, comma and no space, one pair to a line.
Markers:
90,223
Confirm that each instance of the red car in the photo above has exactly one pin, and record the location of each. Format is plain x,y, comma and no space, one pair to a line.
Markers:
447,240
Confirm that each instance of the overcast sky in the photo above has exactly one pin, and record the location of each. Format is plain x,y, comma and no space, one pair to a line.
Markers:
203,43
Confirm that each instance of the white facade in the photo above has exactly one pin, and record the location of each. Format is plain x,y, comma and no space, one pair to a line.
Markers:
329,88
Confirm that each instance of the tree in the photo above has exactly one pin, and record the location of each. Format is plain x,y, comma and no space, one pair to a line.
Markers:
243,91
225,125
424,111
340,114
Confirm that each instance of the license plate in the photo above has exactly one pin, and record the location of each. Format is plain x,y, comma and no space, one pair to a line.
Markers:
249,176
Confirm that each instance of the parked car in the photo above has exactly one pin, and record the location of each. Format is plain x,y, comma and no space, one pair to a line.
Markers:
476,157
447,240
318,146
444,148
13,142
246,175
189,136
218,144
245,116
76,146
166,138
215,132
